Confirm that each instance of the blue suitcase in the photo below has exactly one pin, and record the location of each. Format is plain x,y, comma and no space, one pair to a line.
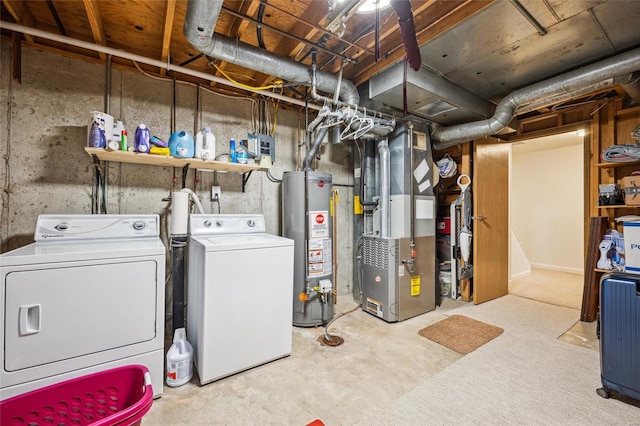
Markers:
619,333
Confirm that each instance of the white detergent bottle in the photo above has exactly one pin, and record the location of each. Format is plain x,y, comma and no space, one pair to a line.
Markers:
205,144
179,360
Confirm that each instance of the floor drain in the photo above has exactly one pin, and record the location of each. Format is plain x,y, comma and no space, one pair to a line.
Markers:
331,340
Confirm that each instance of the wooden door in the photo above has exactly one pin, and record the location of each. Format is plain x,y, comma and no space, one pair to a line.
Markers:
491,224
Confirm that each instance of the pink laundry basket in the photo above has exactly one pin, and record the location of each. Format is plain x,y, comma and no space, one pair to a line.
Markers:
120,396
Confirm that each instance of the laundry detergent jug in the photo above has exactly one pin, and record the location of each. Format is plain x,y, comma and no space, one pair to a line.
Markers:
179,360
206,144
142,137
181,145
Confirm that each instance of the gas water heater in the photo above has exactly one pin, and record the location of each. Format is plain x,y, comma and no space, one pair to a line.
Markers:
308,220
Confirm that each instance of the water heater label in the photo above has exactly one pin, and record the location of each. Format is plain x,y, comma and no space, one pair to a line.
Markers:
319,257
319,224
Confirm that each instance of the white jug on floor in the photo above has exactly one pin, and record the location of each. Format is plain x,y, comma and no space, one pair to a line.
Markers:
179,360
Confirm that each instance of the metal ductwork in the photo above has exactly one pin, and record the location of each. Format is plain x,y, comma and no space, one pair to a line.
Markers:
632,88
322,132
199,29
568,83
385,188
428,95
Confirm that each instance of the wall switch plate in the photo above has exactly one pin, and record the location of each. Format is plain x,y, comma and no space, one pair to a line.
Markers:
215,193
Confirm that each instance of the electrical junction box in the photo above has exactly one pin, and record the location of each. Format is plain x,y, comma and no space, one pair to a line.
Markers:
259,145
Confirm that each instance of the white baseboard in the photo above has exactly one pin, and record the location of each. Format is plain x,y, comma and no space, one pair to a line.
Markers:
521,275
558,268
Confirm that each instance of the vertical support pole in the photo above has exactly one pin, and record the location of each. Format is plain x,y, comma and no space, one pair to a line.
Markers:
178,246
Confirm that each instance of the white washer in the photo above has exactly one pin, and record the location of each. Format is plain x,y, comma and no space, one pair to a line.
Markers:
240,294
87,296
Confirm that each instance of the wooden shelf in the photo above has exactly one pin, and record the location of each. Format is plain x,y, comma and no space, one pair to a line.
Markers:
606,165
165,161
622,206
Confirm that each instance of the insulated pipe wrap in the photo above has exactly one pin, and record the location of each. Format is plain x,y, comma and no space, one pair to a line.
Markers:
199,29
314,148
200,23
573,81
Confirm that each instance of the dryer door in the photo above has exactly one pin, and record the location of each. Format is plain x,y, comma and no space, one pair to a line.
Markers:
75,309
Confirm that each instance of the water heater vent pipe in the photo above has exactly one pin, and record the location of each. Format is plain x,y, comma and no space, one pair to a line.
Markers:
385,187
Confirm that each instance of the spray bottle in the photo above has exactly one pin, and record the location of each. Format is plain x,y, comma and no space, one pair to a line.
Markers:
232,151
179,360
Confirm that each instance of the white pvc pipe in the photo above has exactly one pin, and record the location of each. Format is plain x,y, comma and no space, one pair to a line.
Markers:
142,59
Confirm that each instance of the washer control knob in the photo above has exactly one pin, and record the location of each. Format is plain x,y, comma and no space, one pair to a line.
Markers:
251,223
219,223
207,223
62,226
139,225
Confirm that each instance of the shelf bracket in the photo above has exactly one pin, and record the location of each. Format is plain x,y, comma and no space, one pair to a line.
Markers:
245,178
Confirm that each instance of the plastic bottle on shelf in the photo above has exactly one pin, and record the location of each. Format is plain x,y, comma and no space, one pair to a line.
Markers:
117,131
179,360
181,145
242,155
142,143
205,144
232,151
123,140
97,138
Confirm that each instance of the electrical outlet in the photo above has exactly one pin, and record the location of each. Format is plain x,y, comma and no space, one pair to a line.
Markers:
215,193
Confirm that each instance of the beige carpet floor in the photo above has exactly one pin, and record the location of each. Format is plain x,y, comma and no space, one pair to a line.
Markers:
526,376
554,287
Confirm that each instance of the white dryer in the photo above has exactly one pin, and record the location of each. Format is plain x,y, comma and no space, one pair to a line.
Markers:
87,296
240,294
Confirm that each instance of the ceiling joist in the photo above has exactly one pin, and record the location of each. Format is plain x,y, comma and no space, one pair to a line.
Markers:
21,14
170,11
95,22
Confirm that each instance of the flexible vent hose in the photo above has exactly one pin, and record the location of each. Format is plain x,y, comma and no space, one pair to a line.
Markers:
195,199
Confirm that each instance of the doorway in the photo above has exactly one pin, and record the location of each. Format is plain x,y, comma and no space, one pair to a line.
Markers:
546,215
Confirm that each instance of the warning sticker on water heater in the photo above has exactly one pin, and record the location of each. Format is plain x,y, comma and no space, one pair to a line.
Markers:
319,257
319,224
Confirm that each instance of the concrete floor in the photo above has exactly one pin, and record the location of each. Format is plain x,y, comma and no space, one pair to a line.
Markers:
377,363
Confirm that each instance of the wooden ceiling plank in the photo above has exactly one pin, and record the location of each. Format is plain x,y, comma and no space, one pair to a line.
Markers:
290,47
429,14
170,11
95,21
237,28
21,14
249,8
315,13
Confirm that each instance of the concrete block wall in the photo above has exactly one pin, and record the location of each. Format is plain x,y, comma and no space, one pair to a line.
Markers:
43,132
